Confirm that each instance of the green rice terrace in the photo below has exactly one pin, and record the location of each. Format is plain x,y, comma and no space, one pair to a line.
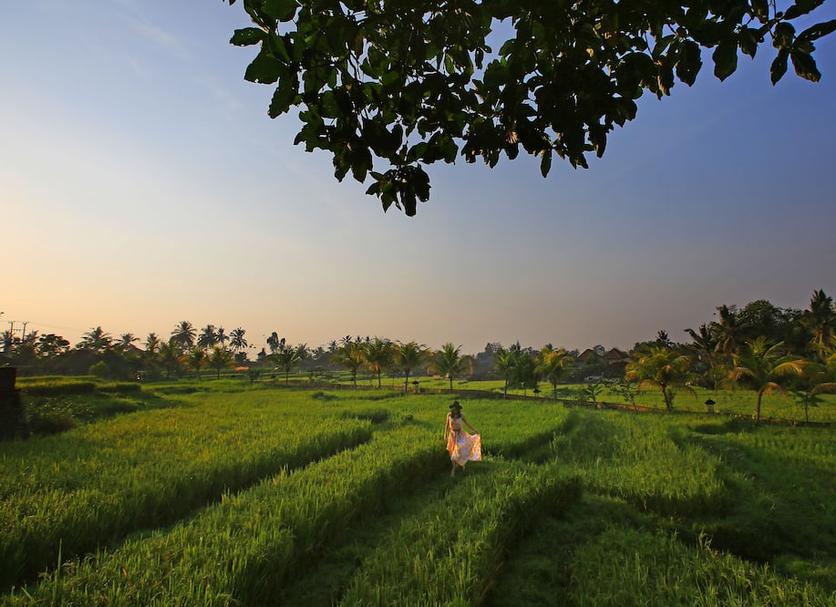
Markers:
226,492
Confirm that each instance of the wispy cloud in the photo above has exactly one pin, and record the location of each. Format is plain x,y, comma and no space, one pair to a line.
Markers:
160,37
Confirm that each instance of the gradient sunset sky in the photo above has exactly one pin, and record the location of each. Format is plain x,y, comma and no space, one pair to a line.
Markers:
142,183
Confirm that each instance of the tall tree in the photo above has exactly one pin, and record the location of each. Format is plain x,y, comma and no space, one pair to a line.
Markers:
762,364
51,345
126,340
351,356
504,362
171,357
183,334
378,356
448,362
387,90
551,365
727,330
208,337
152,343
220,359
221,337
287,358
237,340
274,343
820,319
661,367
197,359
96,340
409,356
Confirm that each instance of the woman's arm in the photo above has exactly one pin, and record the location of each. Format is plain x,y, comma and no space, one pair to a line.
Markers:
467,423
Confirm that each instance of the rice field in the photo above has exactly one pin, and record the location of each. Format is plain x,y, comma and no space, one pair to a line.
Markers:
260,495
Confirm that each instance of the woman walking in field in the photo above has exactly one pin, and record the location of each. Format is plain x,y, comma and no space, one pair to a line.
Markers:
461,446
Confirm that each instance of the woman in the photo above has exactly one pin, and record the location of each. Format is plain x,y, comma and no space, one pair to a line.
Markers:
461,446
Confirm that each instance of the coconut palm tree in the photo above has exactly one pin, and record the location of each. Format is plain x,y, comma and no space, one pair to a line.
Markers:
551,365
378,356
237,340
504,363
350,355
208,337
274,343
197,359
287,358
126,340
704,346
95,340
220,359
762,364
152,343
409,356
183,334
449,363
661,367
820,320
727,331
221,337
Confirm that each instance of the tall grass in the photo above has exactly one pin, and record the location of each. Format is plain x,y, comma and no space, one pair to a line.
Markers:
95,484
625,567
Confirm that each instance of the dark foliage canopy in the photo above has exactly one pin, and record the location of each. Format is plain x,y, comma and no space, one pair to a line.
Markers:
400,84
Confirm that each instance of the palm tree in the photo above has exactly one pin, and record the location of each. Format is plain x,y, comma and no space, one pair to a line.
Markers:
126,340
378,356
221,337
183,334
820,320
351,356
761,364
504,363
152,343
661,367
704,346
208,337
237,340
409,356
287,358
171,356
274,343
551,365
197,358
728,331
448,362
220,359
95,340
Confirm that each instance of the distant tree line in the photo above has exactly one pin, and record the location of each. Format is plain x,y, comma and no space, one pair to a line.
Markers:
759,345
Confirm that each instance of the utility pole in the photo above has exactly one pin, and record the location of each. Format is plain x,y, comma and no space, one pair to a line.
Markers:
23,336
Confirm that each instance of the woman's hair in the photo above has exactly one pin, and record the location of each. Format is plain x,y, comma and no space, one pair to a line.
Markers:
456,409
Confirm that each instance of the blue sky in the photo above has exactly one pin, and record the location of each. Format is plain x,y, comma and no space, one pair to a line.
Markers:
142,183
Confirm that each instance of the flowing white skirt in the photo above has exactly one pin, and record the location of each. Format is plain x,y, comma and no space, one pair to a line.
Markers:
464,447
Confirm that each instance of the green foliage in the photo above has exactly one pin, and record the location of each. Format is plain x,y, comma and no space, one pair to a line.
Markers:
409,86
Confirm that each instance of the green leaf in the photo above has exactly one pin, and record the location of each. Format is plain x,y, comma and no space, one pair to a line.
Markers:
818,30
689,63
283,10
247,36
265,69
761,9
725,59
545,162
283,97
805,65
779,66
801,7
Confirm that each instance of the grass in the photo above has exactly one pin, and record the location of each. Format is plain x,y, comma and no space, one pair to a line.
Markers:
254,494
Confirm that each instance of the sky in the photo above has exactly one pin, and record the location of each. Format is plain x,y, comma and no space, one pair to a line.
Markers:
142,183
